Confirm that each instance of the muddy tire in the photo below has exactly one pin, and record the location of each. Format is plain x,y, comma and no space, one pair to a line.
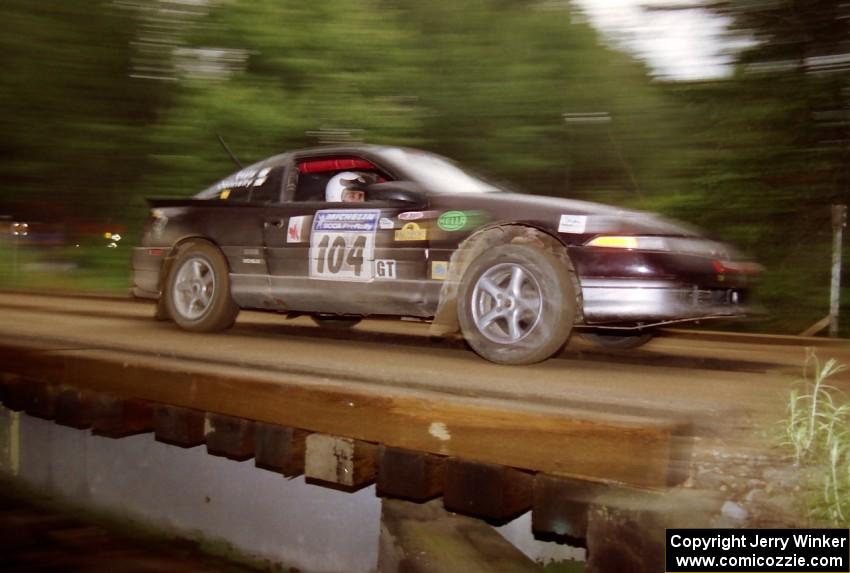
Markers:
618,340
197,294
516,304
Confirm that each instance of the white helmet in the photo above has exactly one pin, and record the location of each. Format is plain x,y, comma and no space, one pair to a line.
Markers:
340,182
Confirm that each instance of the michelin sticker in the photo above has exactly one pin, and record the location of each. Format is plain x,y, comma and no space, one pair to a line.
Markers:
342,244
572,224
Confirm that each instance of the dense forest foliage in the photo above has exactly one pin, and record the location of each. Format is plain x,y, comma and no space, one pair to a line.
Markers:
107,102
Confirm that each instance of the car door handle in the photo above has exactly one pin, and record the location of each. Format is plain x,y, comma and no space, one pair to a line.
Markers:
277,223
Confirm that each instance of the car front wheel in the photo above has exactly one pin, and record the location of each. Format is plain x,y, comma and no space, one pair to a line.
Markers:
516,304
198,291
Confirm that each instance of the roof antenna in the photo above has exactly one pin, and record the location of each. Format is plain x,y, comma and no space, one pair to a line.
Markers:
230,153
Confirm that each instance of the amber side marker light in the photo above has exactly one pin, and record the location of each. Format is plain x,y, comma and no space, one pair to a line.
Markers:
629,242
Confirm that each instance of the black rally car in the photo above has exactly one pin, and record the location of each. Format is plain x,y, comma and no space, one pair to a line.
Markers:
514,273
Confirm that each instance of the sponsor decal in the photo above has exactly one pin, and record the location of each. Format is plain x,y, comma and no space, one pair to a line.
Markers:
411,215
440,270
242,178
342,244
252,261
385,223
385,269
295,229
225,193
452,221
251,252
572,224
411,232
340,220
262,176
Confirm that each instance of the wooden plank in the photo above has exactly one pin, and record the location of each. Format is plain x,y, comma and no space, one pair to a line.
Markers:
409,475
73,408
489,491
349,464
567,443
183,427
425,538
115,417
279,448
230,437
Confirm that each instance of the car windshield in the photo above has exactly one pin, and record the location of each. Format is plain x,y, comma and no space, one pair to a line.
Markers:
436,173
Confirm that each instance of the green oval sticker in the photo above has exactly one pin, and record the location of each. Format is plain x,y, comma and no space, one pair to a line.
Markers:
452,221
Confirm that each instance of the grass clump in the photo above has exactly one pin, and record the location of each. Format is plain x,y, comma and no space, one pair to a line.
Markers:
817,432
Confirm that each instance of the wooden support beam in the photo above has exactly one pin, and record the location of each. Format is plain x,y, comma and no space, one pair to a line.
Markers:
183,427
344,462
41,399
5,380
73,408
425,538
32,396
489,491
560,508
230,437
115,417
14,395
624,540
410,475
279,448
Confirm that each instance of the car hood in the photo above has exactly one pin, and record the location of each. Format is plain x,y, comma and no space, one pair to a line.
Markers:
547,212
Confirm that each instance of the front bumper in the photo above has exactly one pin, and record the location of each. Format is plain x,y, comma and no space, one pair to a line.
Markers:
629,301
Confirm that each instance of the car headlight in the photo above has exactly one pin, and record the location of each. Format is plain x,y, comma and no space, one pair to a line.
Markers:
630,242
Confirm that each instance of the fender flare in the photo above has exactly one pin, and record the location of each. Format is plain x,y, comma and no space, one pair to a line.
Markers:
445,318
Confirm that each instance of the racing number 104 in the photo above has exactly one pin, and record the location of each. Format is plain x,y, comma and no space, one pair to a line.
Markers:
335,253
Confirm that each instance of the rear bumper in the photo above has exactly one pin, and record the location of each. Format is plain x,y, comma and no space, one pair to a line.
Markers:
631,301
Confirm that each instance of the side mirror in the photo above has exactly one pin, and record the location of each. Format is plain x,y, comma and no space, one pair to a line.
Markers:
406,192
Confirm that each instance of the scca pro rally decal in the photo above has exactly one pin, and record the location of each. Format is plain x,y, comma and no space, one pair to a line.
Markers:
342,244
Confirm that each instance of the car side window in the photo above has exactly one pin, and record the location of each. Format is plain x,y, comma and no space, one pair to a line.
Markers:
314,175
311,186
266,187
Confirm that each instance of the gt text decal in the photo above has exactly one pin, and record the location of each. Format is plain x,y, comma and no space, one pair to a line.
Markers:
342,245
385,269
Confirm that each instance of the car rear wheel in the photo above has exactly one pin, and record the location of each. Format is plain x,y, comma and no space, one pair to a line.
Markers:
516,305
618,339
198,291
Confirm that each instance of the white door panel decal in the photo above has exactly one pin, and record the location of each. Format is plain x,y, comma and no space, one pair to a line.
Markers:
342,244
